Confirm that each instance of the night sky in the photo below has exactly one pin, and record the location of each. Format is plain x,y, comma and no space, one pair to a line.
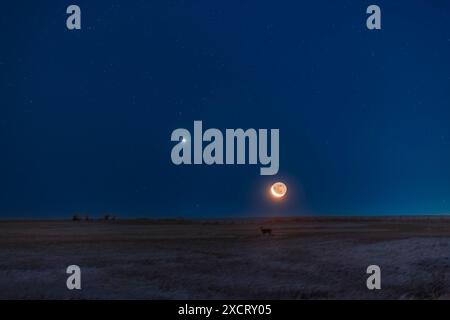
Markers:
86,116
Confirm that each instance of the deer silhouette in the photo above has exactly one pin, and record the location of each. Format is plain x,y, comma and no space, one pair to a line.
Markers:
266,231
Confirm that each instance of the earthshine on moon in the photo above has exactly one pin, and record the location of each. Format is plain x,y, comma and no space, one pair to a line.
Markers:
278,190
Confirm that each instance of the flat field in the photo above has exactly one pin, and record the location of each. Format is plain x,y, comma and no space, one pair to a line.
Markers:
226,259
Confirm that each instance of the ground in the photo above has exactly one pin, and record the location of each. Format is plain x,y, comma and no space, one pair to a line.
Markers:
226,259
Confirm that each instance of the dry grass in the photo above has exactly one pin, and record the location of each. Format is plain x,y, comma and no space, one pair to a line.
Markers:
305,259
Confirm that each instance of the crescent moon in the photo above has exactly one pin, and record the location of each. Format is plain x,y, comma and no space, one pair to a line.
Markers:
278,189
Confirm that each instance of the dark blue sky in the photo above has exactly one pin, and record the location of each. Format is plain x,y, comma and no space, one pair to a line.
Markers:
86,116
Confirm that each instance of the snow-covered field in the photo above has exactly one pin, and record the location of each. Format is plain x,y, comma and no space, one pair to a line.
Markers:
225,259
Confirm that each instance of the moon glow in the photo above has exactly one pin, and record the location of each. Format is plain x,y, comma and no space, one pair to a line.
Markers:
278,190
